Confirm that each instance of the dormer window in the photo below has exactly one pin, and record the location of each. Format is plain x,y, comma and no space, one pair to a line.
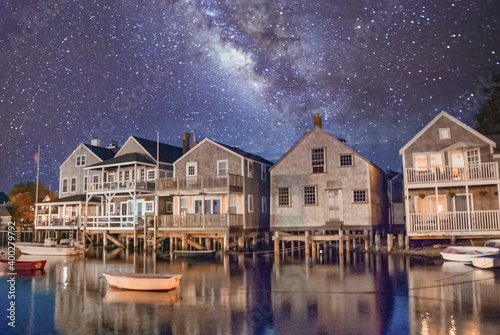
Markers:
80,160
444,133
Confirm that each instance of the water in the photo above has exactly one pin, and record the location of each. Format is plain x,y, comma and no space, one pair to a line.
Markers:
359,294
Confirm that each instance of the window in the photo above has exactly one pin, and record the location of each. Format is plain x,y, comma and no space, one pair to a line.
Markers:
95,179
427,204
216,203
170,205
309,195
80,160
65,185
143,174
318,160
250,169
263,172
149,206
346,160
250,203
85,183
184,205
73,184
427,162
233,204
264,204
208,208
112,208
111,177
473,157
284,196
222,167
197,207
444,133
132,173
120,176
151,174
163,173
127,175
191,169
359,196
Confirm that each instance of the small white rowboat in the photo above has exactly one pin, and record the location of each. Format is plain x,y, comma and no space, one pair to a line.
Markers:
142,281
487,262
466,254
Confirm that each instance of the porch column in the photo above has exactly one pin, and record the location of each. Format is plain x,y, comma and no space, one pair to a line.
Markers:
498,197
307,243
276,243
468,207
155,229
408,220
50,215
64,215
105,239
437,210
102,178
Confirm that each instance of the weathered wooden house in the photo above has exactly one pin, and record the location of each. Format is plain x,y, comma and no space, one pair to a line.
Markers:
218,193
451,177
321,186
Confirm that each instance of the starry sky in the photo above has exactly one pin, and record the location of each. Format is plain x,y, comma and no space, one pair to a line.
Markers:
247,73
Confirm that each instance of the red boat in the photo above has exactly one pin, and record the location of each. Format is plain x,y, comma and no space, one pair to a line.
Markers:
21,265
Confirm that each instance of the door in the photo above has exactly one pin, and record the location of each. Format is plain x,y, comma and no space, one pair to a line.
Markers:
461,203
334,205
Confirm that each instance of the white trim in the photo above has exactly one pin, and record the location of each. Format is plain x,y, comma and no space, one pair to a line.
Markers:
223,161
147,174
67,185
74,151
251,204
84,160
152,203
132,138
192,164
71,185
441,130
451,118
360,202
112,208
471,201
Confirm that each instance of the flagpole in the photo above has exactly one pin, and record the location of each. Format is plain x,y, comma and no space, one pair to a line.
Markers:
155,229
37,177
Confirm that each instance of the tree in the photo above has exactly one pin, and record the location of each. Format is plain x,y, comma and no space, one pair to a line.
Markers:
488,119
22,199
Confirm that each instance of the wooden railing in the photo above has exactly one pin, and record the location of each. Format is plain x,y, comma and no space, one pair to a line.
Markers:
199,182
483,171
122,185
201,220
476,221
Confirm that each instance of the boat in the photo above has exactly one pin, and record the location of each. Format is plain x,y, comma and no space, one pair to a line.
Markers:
466,254
22,266
48,248
142,297
494,243
487,261
194,254
142,281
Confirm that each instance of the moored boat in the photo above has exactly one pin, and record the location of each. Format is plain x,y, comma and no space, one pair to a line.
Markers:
486,262
143,281
22,265
494,243
194,254
466,254
46,249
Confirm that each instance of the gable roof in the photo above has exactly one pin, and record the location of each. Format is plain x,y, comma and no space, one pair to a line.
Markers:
451,118
168,153
246,154
314,129
127,158
3,198
102,153
4,211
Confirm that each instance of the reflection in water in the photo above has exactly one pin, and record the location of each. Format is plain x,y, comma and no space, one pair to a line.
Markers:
358,294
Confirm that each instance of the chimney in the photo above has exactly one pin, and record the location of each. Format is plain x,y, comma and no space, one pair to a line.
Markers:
95,142
185,142
113,144
317,120
195,142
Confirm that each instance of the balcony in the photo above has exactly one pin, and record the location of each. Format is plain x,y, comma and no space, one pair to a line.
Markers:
121,186
176,185
472,172
201,221
454,223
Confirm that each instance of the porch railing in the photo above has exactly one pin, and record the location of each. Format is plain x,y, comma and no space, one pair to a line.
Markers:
122,185
483,171
476,221
200,220
199,182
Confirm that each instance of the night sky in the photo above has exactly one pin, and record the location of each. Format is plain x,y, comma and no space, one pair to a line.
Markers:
247,73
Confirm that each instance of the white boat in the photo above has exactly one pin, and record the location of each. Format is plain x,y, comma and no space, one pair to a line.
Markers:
466,254
48,248
495,243
142,281
487,262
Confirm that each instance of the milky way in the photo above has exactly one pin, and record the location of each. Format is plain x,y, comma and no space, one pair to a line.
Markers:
247,73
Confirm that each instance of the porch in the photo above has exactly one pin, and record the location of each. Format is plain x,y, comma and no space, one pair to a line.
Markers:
129,185
459,173
454,223
201,221
203,184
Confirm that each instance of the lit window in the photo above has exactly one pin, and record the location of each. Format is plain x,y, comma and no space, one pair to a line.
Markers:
310,195
346,160
359,196
284,196
420,161
318,160
444,133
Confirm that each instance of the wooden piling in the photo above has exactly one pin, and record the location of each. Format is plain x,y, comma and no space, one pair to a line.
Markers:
390,241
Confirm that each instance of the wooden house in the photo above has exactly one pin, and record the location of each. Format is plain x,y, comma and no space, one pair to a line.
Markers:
451,178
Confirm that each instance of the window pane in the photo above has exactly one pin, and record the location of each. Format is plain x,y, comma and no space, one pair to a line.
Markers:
345,160
310,195
284,196
436,161
421,162
318,160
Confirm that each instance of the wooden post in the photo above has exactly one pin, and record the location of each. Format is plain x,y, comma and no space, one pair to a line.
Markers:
105,239
341,242
407,242
348,243
314,252
366,239
306,242
283,250
401,241
377,242
226,242
390,240
135,238
276,244
241,243
454,240
184,242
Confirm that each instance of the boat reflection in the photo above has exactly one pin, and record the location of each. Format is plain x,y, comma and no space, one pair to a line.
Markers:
142,297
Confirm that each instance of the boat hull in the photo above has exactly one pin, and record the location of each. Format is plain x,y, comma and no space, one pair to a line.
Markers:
487,262
23,266
40,249
142,281
466,254
200,254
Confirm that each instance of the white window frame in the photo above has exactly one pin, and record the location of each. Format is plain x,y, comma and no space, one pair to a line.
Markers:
429,203
264,204
471,201
195,170
345,155
149,203
315,188
149,174
126,175
250,169
365,195
250,203
219,169
143,174
71,190
81,160
288,195
63,186
444,133
112,208
111,177
95,179
263,172
315,160
428,155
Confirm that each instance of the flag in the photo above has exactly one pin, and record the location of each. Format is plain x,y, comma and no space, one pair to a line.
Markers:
37,158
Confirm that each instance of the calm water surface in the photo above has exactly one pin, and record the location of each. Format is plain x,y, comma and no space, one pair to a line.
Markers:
359,294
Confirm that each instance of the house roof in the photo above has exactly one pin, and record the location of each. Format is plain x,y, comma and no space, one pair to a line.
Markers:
72,198
314,129
4,211
168,153
451,118
121,160
3,198
102,153
245,154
